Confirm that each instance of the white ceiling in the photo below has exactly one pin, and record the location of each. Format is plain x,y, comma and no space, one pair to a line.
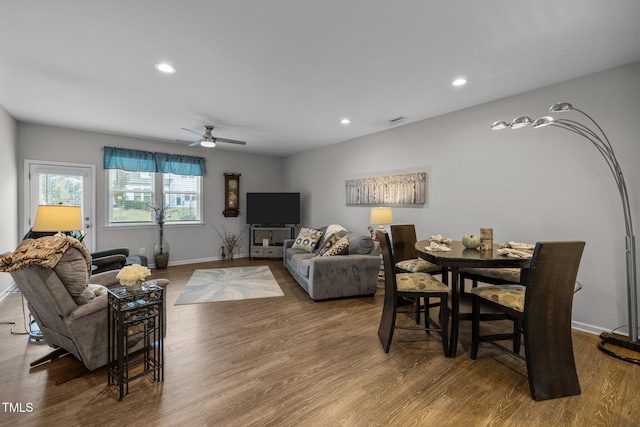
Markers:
280,74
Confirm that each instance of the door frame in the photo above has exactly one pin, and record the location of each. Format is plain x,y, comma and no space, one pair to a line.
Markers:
91,187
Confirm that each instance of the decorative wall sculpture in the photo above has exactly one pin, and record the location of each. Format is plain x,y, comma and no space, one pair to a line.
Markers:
399,189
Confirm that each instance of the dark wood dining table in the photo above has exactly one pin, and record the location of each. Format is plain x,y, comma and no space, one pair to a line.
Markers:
461,257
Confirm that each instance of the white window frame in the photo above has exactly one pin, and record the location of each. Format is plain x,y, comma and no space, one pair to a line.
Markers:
158,196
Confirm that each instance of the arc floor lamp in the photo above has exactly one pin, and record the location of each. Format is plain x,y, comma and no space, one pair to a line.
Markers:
599,139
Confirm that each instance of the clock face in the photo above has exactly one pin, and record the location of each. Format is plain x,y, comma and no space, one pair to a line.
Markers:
233,184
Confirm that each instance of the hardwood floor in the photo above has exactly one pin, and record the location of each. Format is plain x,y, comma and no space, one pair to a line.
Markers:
289,361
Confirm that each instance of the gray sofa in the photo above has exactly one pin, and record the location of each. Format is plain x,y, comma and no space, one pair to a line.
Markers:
324,277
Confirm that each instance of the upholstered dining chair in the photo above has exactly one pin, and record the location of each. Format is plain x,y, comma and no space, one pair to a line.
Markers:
115,259
414,286
542,306
404,241
403,237
492,276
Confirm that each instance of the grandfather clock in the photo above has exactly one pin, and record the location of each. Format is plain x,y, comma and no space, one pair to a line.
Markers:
231,194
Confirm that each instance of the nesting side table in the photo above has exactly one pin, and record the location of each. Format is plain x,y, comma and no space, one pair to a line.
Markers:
135,316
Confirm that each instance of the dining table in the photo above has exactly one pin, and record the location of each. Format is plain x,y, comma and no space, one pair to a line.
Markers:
460,257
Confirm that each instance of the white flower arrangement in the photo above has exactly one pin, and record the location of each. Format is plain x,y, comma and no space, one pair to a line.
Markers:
131,274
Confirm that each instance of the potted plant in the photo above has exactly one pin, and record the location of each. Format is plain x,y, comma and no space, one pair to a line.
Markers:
161,248
132,276
229,240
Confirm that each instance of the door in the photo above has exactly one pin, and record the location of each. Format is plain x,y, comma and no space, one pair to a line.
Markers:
51,183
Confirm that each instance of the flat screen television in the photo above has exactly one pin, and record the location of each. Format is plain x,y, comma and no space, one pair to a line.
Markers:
273,208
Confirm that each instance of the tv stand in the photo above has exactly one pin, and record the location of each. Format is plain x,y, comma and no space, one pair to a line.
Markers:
274,237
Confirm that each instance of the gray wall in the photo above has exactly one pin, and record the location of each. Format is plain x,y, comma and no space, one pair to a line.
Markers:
528,185
9,186
188,243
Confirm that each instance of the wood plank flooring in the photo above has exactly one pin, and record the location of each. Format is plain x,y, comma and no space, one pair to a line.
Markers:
289,361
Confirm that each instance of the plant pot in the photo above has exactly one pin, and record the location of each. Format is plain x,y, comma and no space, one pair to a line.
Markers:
161,251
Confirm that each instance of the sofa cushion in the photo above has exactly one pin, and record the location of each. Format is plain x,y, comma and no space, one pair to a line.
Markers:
301,263
359,244
307,239
340,247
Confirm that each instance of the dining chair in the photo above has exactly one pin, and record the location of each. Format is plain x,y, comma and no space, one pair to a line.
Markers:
492,276
542,306
403,238
414,286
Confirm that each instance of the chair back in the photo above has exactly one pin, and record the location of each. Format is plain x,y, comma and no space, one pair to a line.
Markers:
552,278
388,262
404,240
547,319
47,294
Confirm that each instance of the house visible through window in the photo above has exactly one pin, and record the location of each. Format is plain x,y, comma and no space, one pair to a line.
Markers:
140,180
133,194
182,196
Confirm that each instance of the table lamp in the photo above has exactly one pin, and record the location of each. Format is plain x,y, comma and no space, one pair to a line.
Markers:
58,218
381,217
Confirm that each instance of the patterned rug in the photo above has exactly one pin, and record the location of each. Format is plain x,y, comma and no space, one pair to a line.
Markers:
225,284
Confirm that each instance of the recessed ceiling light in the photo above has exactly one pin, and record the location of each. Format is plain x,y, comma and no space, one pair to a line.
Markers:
165,68
459,82
345,121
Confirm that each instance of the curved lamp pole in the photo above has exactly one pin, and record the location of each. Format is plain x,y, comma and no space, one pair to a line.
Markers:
601,142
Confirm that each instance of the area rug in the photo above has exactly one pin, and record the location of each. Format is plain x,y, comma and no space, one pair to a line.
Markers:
225,284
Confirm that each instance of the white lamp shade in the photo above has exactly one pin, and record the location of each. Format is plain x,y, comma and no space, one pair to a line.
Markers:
381,216
58,218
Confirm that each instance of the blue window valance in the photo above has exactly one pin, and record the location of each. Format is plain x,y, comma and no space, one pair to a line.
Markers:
145,161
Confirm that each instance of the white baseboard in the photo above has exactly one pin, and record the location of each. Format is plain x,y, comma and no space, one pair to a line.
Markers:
11,289
592,329
195,261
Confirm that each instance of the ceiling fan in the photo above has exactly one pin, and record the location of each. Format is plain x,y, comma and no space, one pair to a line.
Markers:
208,140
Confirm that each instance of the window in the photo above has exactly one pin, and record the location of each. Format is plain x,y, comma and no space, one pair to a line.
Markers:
132,194
134,176
182,197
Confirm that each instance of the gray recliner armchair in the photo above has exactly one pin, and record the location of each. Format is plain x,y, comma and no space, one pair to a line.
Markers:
69,306
115,259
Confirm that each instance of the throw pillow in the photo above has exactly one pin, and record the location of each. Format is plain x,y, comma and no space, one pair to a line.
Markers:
328,243
307,239
359,244
332,229
341,247
90,292
98,290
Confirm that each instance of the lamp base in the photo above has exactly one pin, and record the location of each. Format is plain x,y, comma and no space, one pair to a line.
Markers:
622,341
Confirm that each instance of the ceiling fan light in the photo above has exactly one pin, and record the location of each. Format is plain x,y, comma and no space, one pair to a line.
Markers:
208,143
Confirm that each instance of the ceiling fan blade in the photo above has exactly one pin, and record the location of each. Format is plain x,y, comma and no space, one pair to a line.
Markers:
194,132
229,141
194,143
